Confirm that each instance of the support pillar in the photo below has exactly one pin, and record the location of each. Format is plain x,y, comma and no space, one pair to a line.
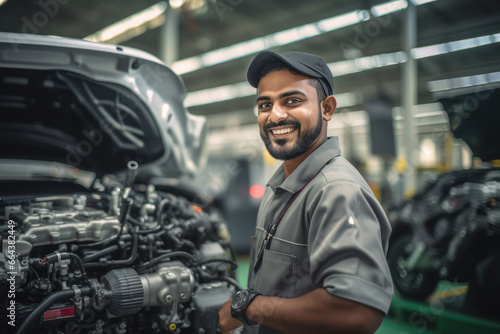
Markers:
410,95
169,37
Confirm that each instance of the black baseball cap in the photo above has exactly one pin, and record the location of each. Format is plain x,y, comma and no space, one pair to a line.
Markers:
304,63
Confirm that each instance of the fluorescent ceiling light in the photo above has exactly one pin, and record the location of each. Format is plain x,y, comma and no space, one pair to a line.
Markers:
152,17
461,82
288,36
345,67
296,34
134,21
187,65
344,20
428,51
243,89
388,7
366,63
219,94
438,49
2,2
421,2
255,45
176,3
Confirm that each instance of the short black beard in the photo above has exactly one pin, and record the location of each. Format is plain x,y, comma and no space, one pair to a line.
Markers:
304,140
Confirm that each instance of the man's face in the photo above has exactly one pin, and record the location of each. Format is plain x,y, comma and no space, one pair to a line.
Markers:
290,117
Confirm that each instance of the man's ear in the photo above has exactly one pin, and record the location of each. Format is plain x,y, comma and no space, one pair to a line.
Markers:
328,106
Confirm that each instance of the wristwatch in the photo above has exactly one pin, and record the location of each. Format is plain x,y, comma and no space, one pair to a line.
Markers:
239,305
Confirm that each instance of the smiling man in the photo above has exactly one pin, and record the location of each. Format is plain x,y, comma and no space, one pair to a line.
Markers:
317,262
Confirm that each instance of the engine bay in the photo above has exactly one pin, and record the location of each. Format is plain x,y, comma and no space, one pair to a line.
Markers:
117,258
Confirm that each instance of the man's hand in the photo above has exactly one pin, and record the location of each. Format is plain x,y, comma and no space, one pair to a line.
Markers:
226,322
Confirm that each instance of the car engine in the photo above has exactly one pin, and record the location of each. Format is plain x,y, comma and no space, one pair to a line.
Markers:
120,258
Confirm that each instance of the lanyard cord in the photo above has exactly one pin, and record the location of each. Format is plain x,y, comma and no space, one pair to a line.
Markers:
271,229
288,204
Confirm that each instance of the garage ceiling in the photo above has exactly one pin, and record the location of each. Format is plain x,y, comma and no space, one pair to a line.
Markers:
221,23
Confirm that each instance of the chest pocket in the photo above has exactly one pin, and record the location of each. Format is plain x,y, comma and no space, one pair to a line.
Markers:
277,275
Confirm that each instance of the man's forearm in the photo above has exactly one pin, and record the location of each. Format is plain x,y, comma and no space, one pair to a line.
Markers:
314,312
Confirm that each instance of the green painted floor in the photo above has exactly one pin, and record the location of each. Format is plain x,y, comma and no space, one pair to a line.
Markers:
439,316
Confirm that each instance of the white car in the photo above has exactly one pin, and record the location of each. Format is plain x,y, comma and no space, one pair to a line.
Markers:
95,236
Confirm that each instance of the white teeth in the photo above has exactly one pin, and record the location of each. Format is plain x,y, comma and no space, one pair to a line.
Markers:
282,131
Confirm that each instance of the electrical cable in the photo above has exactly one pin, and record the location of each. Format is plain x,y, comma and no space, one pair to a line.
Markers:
46,304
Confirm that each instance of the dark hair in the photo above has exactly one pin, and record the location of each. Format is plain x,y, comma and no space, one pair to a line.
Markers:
278,65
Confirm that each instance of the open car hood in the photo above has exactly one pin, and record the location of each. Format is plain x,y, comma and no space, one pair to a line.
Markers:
94,107
475,117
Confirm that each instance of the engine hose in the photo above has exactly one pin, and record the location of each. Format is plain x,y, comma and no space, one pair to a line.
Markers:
130,260
124,212
163,251
234,257
233,264
133,255
232,281
105,242
189,244
159,213
151,230
164,257
232,252
100,253
46,304
58,256
134,221
82,267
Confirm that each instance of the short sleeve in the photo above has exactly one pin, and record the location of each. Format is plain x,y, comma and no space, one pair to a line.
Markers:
347,240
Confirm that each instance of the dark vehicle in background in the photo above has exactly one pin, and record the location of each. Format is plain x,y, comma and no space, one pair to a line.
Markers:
98,235
452,226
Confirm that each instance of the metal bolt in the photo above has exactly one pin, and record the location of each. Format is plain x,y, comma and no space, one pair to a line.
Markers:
183,295
163,317
169,298
123,325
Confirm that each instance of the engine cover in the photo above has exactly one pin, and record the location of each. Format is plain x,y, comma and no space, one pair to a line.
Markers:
48,224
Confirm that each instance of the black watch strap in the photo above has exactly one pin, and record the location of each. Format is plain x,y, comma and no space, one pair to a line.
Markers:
239,313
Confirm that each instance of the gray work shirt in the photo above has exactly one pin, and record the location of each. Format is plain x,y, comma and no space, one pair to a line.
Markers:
333,236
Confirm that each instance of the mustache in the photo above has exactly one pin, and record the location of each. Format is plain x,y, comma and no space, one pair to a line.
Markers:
281,123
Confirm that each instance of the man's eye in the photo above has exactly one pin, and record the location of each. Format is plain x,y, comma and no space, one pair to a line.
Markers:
292,101
264,105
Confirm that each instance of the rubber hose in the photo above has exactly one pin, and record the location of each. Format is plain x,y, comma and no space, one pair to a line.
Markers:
42,307
232,281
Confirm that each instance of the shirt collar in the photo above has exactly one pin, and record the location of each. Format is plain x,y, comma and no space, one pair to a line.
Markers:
307,169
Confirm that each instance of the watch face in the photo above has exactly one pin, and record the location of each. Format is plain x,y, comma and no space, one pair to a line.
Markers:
240,299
